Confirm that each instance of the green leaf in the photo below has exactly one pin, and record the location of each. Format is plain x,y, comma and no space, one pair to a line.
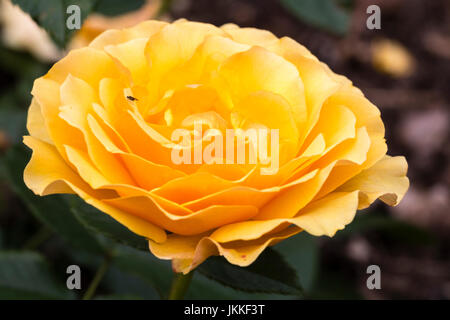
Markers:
204,288
302,253
144,265
324,14
270,274
117,7
18,70
122,283
12,122
26,275
393,228
20,63
51,15
100,222
53,211
157,274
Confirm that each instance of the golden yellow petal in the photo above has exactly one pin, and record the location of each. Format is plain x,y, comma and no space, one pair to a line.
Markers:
291,200
87,64
385,180
137,225
188,252
336,123
190,224
79,98
47,173
131,55
174,44
147,174
272,111
252,36
46,92
114,36
36,123
192,187
319,84
262,70
322,217
329,214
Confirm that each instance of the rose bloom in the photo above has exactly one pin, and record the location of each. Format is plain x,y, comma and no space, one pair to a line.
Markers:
100,126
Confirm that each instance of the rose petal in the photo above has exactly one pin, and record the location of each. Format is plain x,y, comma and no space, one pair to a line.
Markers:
131,56
114,37
260,69
194,223
36,123
385,180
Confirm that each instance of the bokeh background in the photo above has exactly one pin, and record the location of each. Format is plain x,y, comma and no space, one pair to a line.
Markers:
403,68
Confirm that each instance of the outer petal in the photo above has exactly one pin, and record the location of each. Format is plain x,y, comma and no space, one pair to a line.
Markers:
291,200
46,173
385,180
135,224
36,123
328,215
46,93
252,36
190,224
188,252
113,37
321,217
87,64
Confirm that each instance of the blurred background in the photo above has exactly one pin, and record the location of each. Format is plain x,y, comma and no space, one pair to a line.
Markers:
403,68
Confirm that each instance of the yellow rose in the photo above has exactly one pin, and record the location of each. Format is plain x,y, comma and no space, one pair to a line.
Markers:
101,121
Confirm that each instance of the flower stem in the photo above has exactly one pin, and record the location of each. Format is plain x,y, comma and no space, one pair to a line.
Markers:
97,278
180,284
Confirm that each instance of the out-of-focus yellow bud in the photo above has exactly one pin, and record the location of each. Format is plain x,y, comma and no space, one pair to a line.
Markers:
392,58
22,33
19,31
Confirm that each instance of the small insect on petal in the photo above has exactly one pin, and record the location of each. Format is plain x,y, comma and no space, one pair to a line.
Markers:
132,98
